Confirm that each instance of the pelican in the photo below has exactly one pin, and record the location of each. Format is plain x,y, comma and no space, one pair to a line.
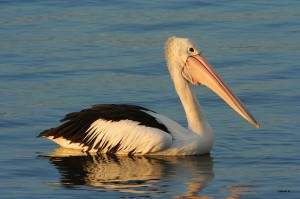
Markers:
134,130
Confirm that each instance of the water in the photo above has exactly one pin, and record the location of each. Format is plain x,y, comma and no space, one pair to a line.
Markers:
62,56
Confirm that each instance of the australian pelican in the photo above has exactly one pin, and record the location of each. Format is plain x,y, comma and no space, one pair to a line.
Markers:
133,130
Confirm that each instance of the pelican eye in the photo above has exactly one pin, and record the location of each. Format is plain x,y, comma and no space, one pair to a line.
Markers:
191,50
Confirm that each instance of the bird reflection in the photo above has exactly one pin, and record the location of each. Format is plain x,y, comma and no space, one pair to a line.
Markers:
140,174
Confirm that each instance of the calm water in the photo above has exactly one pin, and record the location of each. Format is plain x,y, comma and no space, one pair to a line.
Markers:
61,56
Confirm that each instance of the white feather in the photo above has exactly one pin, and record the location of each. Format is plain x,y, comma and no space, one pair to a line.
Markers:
67,143
129,135
185,141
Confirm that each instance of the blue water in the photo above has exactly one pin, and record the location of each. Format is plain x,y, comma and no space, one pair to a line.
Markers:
58,57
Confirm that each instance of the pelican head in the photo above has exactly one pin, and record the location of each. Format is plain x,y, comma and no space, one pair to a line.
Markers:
187,65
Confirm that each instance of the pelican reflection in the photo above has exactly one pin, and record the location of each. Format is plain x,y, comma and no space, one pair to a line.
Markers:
140,174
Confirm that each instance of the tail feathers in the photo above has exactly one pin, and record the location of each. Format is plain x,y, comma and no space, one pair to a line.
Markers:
45,133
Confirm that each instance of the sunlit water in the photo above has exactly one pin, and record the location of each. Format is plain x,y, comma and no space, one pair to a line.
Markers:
62,56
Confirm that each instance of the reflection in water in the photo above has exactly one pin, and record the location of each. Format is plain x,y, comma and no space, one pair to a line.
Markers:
139,175
132,174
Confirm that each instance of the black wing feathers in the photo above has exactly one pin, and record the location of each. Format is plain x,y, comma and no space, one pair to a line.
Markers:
76,124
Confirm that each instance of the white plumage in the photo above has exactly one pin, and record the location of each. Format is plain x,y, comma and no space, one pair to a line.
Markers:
130,136
128,129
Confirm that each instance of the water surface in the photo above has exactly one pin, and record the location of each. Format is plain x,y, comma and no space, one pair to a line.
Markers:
62,56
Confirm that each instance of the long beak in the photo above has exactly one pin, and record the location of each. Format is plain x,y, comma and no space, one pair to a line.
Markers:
198,71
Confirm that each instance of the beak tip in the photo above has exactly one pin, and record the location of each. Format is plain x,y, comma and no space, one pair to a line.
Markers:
257,125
